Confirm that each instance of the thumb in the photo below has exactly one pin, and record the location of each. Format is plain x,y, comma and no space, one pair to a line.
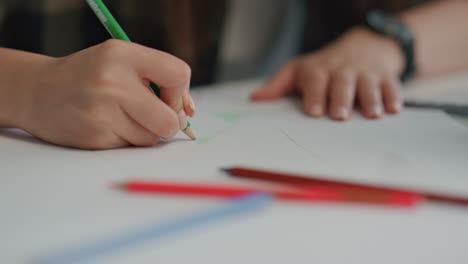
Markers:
279,85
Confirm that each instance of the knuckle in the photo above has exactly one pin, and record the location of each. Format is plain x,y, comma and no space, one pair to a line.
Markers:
315,100
112,46
312,74
343,74
104,79
368,77
103,75
368,83
183,72
316,74
108,59
293,65
391,82
109,51
180,72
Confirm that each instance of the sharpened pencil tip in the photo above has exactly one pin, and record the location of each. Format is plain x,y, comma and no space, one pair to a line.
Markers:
189,132
226,170
118,186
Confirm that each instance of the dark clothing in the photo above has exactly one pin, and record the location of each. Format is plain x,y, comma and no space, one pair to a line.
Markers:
188,29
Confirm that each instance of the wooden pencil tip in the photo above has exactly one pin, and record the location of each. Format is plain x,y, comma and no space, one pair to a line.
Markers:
226,170
118,186
189,132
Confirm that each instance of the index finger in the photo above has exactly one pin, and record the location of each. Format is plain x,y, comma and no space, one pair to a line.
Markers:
169,72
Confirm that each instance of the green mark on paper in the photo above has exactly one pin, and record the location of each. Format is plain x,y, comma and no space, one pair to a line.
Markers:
205,139
232,117
299,145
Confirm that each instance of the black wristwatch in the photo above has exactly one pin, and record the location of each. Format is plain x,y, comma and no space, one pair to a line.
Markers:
384,23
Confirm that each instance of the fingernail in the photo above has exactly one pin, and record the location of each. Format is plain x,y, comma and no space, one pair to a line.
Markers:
341,113
188,104
191,103
397,107
377,111
316,110
182,119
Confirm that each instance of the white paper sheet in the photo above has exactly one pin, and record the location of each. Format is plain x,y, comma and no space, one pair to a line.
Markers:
418,148
449,89
53,197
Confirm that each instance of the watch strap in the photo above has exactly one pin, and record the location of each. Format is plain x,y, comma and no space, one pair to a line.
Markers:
385,24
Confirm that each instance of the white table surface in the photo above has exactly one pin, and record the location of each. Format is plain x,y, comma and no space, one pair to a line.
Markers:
47,206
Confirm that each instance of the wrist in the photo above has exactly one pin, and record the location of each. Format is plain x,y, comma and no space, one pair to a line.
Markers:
20,76
389,50
393,27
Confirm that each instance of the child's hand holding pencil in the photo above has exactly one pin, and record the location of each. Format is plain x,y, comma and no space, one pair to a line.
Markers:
104,97
99,98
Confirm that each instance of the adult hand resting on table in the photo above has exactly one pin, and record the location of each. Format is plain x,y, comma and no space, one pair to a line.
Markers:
97,98
361,66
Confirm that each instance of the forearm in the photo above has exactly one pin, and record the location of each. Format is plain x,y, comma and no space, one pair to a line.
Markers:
19,71
441,36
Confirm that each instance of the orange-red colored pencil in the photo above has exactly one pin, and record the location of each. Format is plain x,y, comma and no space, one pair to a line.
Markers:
318,193
307,181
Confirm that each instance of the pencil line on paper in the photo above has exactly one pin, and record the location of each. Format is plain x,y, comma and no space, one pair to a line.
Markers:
208,139
205,139
292,140
233,117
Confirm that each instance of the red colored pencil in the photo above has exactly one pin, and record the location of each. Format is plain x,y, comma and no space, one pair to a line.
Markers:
306,181
331,194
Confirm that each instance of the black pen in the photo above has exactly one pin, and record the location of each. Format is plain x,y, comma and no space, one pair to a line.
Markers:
454,109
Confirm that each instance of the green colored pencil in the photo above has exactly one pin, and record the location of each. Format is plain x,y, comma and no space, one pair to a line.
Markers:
116,31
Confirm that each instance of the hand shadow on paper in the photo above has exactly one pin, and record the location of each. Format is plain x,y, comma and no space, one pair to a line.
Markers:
23,136
20,135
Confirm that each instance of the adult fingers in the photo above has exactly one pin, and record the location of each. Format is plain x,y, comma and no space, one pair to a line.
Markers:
370,96
280,84
391,92
313,85
342,93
